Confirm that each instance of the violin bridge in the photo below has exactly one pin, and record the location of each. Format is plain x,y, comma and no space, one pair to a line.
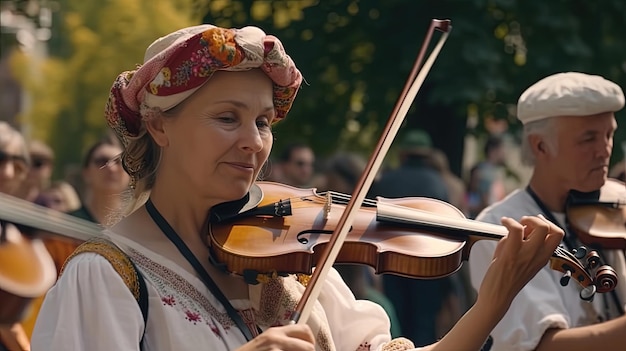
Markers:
327,204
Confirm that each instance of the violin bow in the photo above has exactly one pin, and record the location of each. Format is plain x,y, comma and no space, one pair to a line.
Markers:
18,211
329,255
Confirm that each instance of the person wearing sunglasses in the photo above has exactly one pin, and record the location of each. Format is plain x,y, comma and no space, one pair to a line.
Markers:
14,159
296,166
39,176
14,165
104,182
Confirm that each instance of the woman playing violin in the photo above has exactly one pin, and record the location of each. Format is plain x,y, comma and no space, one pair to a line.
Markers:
196,124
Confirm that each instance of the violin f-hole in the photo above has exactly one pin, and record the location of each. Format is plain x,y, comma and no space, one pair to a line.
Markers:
304,240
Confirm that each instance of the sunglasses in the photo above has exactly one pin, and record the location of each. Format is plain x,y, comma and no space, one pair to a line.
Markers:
6,157
303,163
18,161
103,161
40,162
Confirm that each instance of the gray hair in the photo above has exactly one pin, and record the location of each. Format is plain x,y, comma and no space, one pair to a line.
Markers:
546,128
9,134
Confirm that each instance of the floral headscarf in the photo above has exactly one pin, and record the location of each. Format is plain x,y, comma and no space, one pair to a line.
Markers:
177,65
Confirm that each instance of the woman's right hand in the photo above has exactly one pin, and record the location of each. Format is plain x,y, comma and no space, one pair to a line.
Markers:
518,257
297,337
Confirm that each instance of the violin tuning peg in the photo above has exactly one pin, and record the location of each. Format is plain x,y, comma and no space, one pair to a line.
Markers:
593,260
580,252
588,293
566,277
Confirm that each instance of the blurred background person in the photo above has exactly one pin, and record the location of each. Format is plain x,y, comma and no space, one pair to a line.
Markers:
295,166
104,182
14,165
491,179
423,306
415,175
476,197
14,160
454,184
454,304
39,174
488,173
60,196
341,174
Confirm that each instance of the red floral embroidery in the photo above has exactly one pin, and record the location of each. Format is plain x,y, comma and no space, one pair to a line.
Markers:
287,314
215,330
193,316
169,300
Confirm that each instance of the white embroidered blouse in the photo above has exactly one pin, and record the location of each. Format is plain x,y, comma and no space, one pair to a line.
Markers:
91,308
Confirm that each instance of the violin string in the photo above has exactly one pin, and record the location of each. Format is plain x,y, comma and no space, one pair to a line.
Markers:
434,219
430,218
337,198
346,198
47,219
57,225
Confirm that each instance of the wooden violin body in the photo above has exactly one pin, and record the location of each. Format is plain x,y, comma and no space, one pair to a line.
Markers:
414,237
27,268
27,271
600,222
292,243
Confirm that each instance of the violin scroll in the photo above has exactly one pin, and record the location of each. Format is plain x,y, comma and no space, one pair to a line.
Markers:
589,274
606,278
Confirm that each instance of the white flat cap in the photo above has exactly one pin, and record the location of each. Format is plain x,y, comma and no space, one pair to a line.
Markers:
569,94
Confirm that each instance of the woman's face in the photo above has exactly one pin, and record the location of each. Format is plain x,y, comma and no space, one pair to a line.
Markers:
13,166
102,177
220,137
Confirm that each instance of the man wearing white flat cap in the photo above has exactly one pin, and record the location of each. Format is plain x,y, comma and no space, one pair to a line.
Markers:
569,122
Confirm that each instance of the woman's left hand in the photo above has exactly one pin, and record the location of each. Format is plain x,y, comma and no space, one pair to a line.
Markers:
518,257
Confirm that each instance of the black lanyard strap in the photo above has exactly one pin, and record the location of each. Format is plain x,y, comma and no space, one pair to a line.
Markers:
204,275
548,214
567,239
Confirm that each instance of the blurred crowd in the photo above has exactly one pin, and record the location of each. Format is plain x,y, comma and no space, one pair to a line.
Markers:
421,170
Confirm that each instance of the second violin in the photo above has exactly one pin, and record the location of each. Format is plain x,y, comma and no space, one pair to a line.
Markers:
599,218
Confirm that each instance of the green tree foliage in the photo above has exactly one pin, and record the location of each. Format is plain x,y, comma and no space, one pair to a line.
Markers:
96,41
356,56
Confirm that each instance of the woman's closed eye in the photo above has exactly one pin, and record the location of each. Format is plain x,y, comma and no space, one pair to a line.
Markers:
263,123
227,119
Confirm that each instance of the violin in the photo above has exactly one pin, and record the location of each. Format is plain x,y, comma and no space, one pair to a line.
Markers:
599,218
414,237
27,271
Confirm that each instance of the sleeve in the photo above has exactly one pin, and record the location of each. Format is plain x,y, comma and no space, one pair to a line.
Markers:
356,324
89,308
536,308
